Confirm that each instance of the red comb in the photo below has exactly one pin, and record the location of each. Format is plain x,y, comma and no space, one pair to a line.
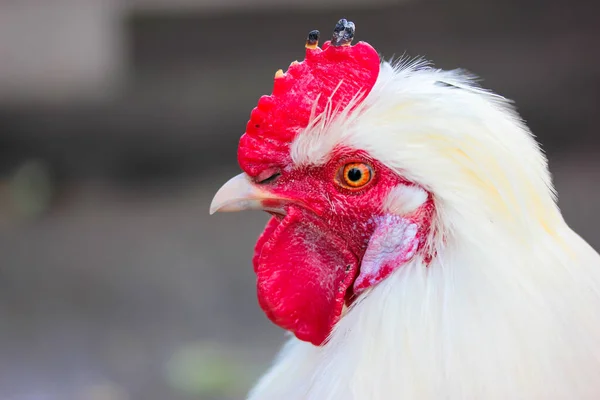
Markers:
338,71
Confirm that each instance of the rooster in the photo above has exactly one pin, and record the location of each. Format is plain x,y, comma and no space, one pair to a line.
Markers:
415,249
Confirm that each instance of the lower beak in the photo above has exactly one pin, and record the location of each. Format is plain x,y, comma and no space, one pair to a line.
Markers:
240,193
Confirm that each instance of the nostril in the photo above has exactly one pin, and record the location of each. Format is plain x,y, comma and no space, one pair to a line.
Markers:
267,177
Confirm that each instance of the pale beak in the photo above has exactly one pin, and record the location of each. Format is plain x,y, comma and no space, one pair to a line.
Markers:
240,193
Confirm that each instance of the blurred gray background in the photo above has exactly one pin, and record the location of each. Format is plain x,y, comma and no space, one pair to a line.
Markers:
120,119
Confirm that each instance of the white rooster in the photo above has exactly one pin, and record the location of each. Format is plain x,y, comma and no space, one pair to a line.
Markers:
415,249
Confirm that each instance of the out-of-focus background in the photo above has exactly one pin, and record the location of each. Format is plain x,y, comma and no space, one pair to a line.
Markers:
119,120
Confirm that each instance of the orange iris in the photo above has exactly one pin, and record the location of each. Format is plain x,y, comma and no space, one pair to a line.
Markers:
355,175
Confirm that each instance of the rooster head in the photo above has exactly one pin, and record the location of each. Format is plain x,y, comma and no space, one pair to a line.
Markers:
341,220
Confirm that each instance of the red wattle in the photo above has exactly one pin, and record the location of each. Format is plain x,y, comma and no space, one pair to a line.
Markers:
303,273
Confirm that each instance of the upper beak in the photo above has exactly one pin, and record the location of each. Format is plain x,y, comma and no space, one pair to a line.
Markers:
240,193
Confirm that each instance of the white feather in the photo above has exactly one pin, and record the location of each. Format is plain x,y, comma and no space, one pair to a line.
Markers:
405,199
510,306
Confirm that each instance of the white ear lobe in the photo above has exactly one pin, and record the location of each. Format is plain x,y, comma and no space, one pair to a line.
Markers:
392,244
405,199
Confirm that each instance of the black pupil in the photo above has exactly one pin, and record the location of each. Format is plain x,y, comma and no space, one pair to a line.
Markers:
354,174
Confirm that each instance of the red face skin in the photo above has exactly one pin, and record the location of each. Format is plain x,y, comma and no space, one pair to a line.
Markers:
307,261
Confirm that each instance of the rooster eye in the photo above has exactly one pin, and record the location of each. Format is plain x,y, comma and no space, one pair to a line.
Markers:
267,176
355,175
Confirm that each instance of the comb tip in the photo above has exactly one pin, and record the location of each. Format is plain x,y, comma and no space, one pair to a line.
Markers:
343,33
312,41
